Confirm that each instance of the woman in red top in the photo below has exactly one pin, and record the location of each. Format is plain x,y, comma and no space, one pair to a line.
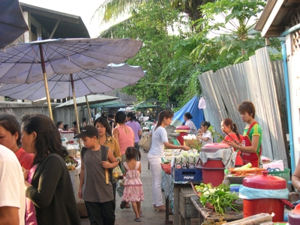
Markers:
232,135
10,136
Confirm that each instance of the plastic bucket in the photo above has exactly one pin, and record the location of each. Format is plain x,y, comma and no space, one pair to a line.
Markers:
213,172
252,207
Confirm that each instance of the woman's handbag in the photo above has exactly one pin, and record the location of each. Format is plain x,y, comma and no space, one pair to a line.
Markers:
145,141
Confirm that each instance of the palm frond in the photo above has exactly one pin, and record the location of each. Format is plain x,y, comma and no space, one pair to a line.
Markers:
111,9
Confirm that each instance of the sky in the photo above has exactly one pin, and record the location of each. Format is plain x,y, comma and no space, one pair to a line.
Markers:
83,8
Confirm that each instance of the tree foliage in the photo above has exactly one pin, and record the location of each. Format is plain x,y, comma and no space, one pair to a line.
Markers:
114,8
164,57
174,62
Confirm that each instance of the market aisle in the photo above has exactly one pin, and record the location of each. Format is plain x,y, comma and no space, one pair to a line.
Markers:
126,216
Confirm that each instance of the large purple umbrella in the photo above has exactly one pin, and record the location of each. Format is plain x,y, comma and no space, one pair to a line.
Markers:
12,23
34,61
84,83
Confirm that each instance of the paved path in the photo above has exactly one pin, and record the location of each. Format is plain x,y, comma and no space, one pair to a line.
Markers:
150,217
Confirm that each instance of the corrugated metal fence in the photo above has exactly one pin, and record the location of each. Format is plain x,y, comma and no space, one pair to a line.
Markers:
258,80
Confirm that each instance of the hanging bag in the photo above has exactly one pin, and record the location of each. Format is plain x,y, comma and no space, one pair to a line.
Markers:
145,141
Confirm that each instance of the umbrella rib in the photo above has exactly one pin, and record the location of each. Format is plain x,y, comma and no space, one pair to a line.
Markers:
102,82
49,61
40,85
53,88
31,65
91,76
27,86
87,87
83,54
18,52
112,77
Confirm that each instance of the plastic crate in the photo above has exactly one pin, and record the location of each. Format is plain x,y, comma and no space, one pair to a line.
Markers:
285,174
194,174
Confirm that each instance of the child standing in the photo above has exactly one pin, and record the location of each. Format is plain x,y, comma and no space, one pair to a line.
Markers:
133,187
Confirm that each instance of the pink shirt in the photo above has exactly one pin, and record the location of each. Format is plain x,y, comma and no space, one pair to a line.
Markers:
30,214
125,136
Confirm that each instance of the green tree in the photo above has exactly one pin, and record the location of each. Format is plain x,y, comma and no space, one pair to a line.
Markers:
113,8
173,62
238,41
165,57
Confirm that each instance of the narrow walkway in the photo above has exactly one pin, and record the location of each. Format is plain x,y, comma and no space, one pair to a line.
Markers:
150,217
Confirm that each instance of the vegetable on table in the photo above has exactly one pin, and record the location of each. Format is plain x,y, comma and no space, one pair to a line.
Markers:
220,198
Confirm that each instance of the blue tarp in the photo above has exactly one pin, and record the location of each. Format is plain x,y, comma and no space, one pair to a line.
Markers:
192,107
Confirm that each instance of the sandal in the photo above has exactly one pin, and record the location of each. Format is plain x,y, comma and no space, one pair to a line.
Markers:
123,205
161,208
137,220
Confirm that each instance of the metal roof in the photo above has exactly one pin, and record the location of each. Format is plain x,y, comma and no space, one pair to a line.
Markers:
276,17
91,98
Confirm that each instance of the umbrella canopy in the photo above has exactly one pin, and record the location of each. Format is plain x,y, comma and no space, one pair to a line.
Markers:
86,82
12,23
30,62
22,63
92,99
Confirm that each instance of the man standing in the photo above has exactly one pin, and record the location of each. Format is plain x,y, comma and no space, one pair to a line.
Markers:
12,195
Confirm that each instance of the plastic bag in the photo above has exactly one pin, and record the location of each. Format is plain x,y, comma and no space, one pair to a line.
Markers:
145,141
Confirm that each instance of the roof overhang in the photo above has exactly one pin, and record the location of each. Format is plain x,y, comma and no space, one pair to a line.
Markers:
276,17
70,26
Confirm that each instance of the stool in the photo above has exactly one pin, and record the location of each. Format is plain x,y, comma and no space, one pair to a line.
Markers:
186,208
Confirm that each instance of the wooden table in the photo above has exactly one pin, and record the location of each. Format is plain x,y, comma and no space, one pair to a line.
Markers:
178,186
209,215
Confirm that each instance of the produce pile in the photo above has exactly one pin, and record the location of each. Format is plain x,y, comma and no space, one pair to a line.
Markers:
187,159
218,198
246,170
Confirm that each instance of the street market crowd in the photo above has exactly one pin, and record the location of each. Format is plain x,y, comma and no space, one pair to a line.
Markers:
35,184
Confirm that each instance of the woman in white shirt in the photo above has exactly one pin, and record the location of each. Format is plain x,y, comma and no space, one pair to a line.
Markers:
159,141
204,135
188,122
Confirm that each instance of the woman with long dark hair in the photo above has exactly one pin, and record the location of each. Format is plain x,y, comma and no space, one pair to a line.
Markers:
232,135
51,188
159,141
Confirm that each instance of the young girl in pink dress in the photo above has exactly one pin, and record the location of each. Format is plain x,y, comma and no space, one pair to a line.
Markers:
133,187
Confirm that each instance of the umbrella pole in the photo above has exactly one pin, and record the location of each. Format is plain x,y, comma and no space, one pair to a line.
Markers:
89,110
46,82
75,103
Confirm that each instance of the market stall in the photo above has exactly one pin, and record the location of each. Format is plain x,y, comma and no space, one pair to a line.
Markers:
214,165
